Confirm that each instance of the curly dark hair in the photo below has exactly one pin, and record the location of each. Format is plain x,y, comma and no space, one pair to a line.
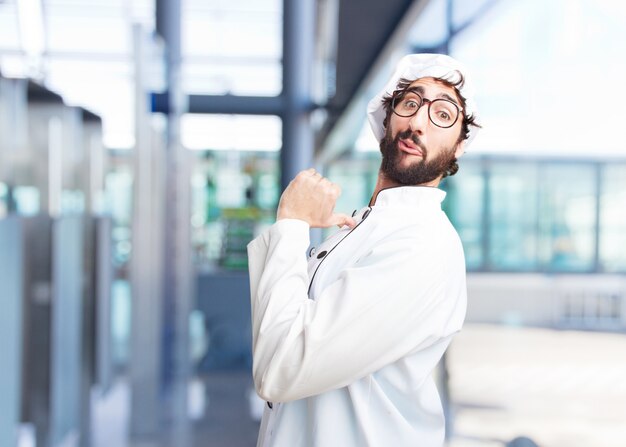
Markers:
468,120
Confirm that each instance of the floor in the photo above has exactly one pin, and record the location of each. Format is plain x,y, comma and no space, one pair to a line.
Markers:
227,420
556,388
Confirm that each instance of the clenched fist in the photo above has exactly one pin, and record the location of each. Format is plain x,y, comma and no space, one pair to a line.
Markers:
311,197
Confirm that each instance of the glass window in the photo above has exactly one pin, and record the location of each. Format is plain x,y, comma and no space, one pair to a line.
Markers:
4,206
119,198
613,219
218,54
27,200
520,82
431,29
513,216
234,196
69,32
89,59
216,76
357,179
103,87
567,216
9,31
464,206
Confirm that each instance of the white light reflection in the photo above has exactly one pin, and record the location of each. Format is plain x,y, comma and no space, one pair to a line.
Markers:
231,132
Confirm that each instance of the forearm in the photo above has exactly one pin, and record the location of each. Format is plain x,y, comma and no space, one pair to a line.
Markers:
279,281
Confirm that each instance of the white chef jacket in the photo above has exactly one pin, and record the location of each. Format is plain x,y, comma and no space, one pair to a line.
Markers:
344,343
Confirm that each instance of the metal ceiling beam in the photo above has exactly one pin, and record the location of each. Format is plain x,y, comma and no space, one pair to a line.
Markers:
39,93
245,105
452,31
364,30
346,128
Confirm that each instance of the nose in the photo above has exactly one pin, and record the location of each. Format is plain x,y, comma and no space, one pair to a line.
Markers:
419,121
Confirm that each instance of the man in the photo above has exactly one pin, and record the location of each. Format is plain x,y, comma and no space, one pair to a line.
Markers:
344,343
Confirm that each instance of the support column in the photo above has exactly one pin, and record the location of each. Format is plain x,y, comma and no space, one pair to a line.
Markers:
147,292
298,56
177,270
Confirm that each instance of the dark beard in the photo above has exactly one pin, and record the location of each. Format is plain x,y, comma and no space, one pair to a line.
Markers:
417,173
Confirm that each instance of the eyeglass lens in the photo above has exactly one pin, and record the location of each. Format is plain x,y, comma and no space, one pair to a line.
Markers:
442,113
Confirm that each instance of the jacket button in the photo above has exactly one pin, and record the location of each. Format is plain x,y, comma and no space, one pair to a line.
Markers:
366,213
322,254
269,404
353,213
311,251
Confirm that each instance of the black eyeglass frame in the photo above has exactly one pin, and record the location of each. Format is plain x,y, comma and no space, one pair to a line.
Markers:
421,103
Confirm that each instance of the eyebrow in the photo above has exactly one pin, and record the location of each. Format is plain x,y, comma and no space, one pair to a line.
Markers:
420,91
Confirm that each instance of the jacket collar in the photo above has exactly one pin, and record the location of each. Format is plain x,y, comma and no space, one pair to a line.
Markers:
410,196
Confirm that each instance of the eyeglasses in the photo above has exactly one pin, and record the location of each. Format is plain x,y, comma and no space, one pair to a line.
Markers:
441,112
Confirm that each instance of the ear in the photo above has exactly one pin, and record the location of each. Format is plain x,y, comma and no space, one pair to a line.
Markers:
460,149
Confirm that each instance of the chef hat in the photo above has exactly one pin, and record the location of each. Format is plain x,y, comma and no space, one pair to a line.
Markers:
415,66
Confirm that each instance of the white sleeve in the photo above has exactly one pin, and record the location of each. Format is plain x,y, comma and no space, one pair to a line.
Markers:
394,301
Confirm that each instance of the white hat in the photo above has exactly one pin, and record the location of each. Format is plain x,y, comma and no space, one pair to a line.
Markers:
415,66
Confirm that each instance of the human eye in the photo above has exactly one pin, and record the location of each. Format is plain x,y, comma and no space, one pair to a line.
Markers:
443,115
444,111
410,104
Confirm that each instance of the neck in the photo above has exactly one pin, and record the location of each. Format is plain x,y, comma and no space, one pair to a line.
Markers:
384,182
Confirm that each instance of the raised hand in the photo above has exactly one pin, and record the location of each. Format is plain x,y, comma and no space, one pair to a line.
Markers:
311,197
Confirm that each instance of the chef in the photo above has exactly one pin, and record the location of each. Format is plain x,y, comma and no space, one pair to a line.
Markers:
346,336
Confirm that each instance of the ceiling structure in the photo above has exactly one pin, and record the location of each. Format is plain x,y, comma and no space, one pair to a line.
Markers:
369,32
358,36
364,28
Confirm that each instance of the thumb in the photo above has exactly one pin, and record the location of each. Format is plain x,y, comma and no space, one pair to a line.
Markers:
342,219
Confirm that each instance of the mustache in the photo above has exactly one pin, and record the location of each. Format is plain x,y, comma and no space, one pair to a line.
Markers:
405,134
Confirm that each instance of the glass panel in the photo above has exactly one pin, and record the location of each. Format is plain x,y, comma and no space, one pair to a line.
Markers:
513,216
4,205
9,31
89,59
104,88
567,209
100,26
119,196
11,331
121,308
430,30
234,196
357,179
230,33
26,200
519,79
464,11
246,77
613,219
88,35
218,54
67,324
464,206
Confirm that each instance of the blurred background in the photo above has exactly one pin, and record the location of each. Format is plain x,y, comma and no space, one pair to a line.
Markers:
144,143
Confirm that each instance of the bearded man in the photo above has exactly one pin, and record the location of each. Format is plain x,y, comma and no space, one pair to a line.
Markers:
345,340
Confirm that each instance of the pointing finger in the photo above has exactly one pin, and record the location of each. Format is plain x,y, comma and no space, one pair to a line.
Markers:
343,219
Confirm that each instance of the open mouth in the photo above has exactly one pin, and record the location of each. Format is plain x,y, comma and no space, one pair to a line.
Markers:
409,147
